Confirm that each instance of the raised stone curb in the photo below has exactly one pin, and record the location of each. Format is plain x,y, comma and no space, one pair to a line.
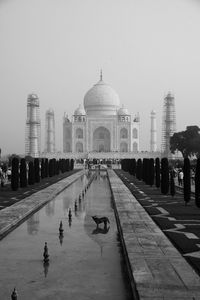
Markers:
13,215
156,268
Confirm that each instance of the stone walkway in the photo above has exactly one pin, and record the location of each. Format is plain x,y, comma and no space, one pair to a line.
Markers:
157,269
13,215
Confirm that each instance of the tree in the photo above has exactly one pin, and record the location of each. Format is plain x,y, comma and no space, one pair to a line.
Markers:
67,165
51,167
151,172
186,180
31,173
172,184
15,174
23,173
197,183
187,142
157,170
144,170
37,169
164,176
134,167
139,169
46,167
57,167
72,164
42,169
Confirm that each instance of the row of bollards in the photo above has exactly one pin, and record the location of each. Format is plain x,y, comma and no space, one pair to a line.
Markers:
14,294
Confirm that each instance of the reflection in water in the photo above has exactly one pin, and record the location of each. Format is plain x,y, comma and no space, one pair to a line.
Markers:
75,206
33,224
66,202
76,254
61,228
101,230
46,268
70,222
98,235
50,208
61,237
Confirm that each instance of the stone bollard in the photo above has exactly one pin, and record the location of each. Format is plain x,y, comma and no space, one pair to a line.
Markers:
46,254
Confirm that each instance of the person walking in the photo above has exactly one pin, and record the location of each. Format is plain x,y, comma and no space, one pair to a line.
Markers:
181,178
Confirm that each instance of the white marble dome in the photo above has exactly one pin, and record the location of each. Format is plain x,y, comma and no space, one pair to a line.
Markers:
101,99
123,111
79,111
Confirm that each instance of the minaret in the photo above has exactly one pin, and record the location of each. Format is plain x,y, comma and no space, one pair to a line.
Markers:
33,127
169,123
153,139
50,132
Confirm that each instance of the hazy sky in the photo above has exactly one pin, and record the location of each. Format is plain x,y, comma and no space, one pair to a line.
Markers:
55,48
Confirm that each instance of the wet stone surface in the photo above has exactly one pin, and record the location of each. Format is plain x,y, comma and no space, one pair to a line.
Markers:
85,262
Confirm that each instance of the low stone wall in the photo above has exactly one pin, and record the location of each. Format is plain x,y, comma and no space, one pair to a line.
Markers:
156,269
13,215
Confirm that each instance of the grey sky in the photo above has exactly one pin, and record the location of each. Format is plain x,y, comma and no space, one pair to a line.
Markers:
56,48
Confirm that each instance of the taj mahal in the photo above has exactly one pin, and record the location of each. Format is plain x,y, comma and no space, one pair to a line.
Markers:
101,124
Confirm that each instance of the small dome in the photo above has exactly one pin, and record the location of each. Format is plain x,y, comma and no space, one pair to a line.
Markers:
101,99
79,111
32,96
169,95
123,111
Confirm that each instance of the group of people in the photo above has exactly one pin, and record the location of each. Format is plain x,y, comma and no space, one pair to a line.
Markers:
5,175
180,176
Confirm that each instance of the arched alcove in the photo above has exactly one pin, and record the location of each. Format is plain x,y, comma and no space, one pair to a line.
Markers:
135,147
79,147
79,133
68,133
101,140
135,133
68,147
123,147
123,133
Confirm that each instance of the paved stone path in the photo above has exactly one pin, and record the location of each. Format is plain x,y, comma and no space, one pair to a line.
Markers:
158,270
11,216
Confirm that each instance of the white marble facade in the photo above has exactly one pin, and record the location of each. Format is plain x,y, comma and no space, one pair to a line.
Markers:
102,125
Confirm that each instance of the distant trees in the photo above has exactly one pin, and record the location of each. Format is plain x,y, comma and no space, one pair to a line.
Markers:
187,142
37,169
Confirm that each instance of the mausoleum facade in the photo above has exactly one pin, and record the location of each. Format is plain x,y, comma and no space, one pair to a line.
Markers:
101,124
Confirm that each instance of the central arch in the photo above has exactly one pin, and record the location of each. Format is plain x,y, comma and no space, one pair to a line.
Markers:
101,140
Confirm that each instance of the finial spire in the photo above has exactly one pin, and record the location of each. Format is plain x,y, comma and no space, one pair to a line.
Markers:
101,76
